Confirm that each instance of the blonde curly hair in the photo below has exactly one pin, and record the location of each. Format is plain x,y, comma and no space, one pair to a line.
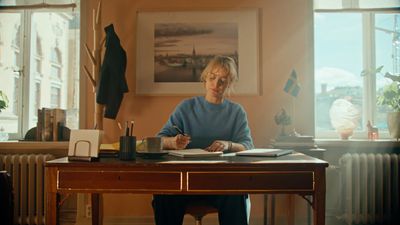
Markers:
226,63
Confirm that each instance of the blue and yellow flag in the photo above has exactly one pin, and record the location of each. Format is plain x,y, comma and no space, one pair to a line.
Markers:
292,85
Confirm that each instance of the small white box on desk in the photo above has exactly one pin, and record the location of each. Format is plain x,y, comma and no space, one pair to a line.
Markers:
84,145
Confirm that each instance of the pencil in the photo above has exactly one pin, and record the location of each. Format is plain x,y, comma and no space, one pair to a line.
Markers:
179,130
119,126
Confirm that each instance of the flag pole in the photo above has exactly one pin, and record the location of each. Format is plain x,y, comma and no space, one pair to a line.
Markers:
292,87
293,112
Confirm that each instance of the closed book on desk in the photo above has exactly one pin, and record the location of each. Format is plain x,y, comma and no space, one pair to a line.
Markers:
267,152
195,152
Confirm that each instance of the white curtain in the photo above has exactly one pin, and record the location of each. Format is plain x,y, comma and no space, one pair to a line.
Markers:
356,4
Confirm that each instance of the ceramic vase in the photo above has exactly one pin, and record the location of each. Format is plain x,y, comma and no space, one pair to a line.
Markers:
393,122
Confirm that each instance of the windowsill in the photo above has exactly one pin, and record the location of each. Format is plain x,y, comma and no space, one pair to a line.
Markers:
358,143
57,148
34,144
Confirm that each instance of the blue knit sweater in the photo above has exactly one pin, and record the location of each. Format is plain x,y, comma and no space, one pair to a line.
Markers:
205,122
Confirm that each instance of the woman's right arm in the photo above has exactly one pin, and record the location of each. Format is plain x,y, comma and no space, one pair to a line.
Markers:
171,138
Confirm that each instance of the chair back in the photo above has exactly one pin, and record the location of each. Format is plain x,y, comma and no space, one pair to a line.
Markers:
199,209
6,199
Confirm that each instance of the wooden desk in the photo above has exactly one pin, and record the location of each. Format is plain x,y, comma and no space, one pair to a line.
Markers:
293,174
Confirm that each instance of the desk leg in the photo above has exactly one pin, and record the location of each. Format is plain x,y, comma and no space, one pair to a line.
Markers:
52,208
97,209
291,209
319,197
269,209
52,198
265,209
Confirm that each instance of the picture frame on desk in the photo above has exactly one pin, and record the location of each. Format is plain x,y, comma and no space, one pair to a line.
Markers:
173,48
84,145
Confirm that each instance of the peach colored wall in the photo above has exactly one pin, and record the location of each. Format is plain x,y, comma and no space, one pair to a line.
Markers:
286,33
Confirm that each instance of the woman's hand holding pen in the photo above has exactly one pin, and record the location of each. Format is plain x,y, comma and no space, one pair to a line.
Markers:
181,141
178,142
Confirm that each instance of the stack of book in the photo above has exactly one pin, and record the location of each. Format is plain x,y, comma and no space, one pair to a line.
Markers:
50,124
294,142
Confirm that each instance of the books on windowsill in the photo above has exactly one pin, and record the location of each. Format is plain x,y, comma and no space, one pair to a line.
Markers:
51,125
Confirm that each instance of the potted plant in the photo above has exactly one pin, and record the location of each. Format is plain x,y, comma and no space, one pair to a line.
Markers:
391,98
283,119
3,105
3,101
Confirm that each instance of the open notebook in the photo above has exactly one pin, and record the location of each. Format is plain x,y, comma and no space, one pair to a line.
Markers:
194,152
268,152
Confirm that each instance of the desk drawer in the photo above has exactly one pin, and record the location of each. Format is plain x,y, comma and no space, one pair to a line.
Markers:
250,181
120,180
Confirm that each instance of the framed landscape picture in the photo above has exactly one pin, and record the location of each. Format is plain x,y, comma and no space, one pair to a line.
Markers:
174,47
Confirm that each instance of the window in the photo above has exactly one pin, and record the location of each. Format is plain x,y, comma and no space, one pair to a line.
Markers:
55,71
43,46
347,46
55,97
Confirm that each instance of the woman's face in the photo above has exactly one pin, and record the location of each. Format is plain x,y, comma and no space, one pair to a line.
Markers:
216,83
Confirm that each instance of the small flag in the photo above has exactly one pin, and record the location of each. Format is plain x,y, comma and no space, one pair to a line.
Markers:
292,85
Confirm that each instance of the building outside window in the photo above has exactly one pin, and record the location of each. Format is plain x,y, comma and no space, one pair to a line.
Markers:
56,63
38,56
1,45
43,67
15,96
347,45
37,96
55,97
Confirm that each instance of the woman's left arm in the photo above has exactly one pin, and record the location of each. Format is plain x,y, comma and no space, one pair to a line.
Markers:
241,138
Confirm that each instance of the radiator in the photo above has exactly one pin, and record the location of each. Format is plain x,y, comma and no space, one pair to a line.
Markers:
27,173
370,188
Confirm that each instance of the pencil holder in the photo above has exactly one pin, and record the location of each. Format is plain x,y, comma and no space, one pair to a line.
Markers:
127,148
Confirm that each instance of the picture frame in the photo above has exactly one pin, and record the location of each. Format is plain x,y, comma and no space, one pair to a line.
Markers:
173,48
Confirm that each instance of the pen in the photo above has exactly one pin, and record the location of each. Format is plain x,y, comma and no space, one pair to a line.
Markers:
132,122
126,129
179,130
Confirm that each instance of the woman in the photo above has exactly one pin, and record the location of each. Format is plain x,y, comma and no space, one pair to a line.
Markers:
213,123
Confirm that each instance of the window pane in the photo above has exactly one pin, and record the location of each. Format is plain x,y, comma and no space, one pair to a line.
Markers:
387,46
55,97
54,40
338,63
10,69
